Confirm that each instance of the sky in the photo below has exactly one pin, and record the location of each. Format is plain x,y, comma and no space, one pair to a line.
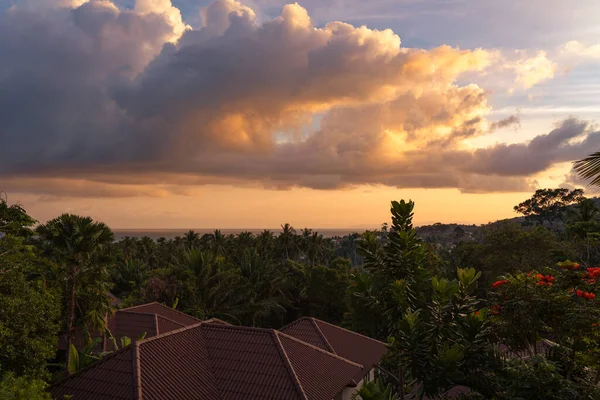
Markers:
179,114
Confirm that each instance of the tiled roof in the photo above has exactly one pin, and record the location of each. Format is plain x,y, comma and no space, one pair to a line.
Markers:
306,329
110,378
212,360
347,344
151,318
165,311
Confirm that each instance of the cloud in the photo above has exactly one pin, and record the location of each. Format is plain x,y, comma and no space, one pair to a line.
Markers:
578,50
511,120
570,140
109,102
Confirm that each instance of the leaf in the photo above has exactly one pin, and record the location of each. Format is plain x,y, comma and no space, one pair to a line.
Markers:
73,359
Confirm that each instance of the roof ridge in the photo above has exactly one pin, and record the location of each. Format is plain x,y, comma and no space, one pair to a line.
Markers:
162,305
320,332
334,355
247,328
137,374
349,331
288,364
156,330
294,322
162,335
139,305
102,360
209,360
217,320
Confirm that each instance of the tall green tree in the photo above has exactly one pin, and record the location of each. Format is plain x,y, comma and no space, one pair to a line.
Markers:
287,240
29,312
81,249
548,204
29,324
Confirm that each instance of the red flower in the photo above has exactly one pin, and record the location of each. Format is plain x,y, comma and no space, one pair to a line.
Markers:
589,296
594,324
579,293
496,309
545,280
593,272
476,312
499,283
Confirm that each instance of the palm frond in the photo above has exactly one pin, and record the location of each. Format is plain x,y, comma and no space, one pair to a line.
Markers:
589,168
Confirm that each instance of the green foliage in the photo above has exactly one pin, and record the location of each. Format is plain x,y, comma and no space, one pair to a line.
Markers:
375,390
445,320
28,324
14,220
548,204
508,248
81,251
22,388
326,293
79,359
589,168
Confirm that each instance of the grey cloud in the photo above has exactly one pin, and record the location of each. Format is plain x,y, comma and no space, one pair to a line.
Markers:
560,145
511,120
94,100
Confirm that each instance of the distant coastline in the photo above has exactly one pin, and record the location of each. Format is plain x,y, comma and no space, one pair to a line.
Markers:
171,233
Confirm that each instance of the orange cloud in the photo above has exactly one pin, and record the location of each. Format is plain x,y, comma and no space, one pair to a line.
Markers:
136,103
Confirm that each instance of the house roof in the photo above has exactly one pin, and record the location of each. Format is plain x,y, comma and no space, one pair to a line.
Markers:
164,311
212,360
343,342
151,319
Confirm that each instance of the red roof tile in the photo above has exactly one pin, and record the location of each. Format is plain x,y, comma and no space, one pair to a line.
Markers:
306,329
110,378
343,342
151,318
215,361
176,366
321,373
164,311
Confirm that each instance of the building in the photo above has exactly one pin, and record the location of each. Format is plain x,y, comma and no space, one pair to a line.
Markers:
205,360
347,344
150,319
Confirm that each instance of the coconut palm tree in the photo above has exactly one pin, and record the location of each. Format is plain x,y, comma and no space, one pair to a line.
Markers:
287,239
191,239
81,249
589,168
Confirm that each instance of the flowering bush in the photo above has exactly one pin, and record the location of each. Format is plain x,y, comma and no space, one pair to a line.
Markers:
556,304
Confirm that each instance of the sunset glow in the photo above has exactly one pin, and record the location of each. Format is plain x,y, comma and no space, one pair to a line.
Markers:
249,114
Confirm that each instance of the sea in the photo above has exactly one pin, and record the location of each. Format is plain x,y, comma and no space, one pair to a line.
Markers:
172,233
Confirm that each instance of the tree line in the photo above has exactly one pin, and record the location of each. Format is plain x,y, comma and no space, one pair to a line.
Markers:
441,309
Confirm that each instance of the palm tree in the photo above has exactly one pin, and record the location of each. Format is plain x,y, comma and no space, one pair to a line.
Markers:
315,247
81,249
586,210
286,237
215,283
265,243
191,239
218,243
589,168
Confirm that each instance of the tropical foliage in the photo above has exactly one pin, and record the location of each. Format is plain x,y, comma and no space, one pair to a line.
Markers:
500,313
